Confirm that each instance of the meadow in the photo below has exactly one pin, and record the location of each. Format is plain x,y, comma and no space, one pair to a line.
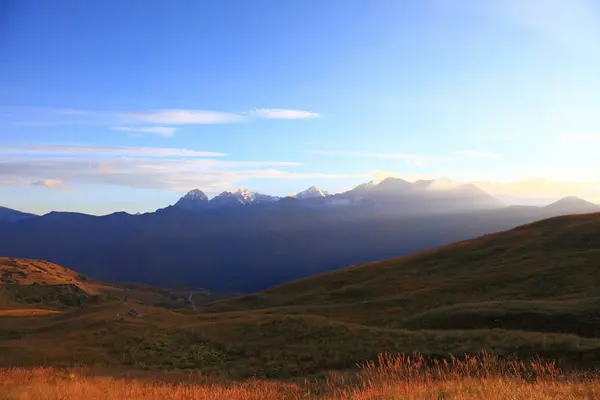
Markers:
482,376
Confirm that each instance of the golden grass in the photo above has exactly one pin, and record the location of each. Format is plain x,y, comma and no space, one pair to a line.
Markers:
27,312
390,377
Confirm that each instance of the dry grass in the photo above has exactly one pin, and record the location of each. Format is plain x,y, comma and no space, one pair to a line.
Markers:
391,377
27,312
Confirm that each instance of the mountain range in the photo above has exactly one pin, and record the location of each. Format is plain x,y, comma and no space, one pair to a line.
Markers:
424,195
196,199
244,241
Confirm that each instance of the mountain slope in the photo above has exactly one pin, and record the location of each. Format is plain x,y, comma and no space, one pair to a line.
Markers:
241,197
194,199
40,283
10,215
26,283
572,204
421,197
311,193
550,260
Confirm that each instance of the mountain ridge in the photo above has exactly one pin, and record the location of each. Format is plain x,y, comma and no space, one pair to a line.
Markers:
11,215
386,191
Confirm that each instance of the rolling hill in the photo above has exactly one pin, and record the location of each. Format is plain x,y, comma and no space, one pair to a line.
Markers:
550,260
532,290
37,285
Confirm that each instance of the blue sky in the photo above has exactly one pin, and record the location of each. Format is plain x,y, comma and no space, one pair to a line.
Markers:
113,105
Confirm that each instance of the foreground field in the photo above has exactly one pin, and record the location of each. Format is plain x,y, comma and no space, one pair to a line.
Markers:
399,377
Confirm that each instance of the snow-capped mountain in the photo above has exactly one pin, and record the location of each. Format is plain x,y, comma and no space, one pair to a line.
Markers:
311,193
194,199
420,196
241,197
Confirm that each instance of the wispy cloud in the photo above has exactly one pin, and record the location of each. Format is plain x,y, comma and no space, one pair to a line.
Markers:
184,117
139,167
477,154
278,113
155,130
121,151
143,121
50,184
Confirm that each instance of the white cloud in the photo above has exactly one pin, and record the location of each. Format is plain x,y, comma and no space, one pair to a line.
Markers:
122,151
152,173
184,117
278,113
156,130
142,121
477,154
50,184
156,168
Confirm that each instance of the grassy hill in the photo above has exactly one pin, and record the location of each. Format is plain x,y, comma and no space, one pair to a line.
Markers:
43,285
40,283
552,263
533,290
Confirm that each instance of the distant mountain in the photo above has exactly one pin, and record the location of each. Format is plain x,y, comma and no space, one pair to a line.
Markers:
391,186
10,215
392,194
193,200
573,205
424,196
311,193
241,197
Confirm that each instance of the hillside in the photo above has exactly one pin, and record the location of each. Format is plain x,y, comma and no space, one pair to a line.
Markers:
546,271
39,285
533,290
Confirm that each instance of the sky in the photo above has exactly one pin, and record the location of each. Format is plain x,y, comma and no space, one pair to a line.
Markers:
126,105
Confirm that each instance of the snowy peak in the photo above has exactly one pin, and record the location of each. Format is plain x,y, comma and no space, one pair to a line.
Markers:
242,197
311,193
194,199
196,194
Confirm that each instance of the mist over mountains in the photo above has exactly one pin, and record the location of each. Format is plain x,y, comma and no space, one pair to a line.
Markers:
245,241
418,197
